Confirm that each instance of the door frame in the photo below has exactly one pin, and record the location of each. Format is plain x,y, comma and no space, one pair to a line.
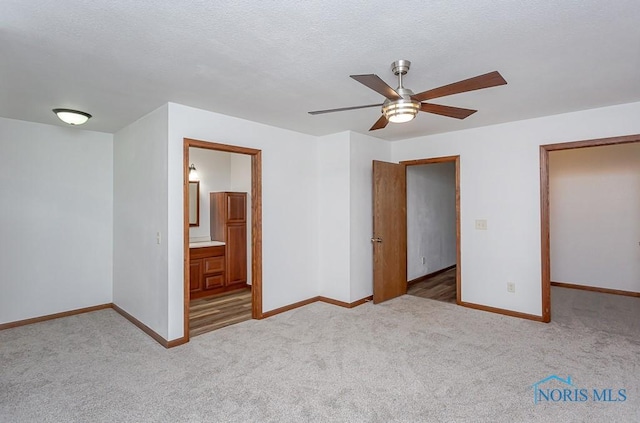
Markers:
544,206
456,160
256,222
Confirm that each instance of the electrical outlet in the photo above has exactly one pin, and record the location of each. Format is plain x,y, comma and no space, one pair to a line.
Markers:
511,287
481,224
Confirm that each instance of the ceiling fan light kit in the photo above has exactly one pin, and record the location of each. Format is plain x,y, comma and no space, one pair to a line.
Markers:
400,111
402,105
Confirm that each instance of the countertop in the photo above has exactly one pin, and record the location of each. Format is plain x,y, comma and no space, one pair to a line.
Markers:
205,244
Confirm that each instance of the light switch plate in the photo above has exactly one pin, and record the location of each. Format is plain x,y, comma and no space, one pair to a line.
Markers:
481,224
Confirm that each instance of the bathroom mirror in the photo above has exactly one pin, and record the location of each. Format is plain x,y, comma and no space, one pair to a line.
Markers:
194,203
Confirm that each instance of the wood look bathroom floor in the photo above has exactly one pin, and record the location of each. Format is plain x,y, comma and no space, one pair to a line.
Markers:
211,313
441,287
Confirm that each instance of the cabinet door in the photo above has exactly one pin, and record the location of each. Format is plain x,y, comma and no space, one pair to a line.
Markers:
236,207
195,275
236,254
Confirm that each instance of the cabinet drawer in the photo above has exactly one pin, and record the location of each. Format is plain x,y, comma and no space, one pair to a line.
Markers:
215,281
214,265
204,252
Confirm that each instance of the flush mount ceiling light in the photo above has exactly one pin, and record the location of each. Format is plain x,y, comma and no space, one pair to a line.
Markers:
72,117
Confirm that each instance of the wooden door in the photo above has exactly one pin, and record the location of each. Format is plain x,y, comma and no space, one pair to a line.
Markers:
389,231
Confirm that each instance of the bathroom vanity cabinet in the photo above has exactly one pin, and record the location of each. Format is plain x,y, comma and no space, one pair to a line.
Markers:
206,271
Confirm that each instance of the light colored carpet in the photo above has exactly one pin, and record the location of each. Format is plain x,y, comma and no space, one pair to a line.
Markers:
409,359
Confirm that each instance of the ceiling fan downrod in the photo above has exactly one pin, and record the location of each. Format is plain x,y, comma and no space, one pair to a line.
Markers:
400,68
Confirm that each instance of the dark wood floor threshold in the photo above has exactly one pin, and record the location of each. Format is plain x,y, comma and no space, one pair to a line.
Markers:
441,287
596,289
430,275
217,311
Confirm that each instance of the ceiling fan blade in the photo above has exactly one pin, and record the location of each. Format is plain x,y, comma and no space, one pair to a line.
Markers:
454,112
378,85
380,123
342,109
487,80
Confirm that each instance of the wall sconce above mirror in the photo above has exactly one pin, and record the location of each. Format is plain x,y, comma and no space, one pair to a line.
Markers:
193,173
194,203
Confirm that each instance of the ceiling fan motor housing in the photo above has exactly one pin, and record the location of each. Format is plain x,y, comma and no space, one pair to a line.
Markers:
400,67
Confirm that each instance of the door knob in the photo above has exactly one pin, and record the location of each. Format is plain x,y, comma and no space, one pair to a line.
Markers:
376,239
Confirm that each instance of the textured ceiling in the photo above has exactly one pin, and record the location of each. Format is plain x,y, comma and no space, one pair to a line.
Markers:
272,61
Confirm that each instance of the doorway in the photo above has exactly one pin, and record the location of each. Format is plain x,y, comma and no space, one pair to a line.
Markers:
219,266
545,210
390,229
433,223
431,231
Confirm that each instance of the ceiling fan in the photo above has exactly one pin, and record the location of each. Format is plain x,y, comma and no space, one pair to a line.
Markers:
402,105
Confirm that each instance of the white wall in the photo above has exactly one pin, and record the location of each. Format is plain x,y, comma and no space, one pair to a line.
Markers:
594,197
431,218
500,182
55,219
334,216
346,219
363,150
289,205
139,213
